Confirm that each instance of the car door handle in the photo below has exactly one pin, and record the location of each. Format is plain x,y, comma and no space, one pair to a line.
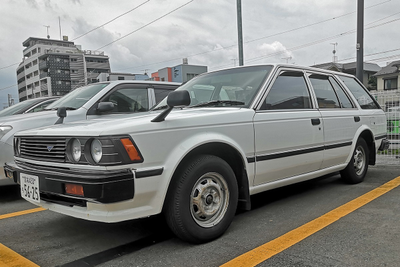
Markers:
357,118
315,121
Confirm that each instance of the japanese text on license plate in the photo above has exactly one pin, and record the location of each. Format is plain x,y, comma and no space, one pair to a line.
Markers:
30,187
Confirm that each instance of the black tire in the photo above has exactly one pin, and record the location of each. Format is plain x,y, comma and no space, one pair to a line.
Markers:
202,199
356,170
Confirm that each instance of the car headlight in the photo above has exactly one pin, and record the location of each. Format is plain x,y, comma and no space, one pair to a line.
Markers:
96,150
4,130
74,150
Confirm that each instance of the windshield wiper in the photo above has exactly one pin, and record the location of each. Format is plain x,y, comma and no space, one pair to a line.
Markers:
160,107
217,102
66,108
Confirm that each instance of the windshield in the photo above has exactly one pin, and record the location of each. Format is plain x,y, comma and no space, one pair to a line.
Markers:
17,107
77,98
234,87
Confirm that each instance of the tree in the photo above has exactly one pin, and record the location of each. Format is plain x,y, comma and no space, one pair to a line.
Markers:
372,83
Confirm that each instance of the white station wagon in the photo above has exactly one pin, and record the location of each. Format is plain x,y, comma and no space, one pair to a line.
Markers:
205,149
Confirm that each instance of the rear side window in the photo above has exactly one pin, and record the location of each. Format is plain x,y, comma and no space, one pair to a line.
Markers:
161,94
345,102
161,91
324,91
289,91
363,98
128,99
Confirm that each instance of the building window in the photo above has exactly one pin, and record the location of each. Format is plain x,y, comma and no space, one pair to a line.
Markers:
390,84
121,78
190,76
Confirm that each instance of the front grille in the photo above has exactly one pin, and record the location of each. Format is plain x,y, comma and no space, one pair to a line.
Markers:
43,148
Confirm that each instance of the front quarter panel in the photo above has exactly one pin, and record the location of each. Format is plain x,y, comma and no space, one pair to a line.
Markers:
167,147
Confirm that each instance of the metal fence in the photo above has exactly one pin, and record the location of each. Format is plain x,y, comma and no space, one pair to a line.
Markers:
390,103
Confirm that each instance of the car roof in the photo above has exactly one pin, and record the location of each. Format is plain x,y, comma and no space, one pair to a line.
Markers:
291,66
140,82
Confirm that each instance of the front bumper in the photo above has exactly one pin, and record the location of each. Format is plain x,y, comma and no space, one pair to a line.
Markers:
98,186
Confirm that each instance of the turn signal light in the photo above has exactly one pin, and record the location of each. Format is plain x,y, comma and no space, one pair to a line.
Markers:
74,189
131,149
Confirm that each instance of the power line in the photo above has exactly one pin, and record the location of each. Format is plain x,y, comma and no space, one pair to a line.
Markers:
374,54
321,40
9,66
145,25
383,58
8,87
265,37
214,50
317,41
123,14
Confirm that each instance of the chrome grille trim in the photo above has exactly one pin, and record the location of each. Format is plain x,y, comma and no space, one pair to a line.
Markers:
43,148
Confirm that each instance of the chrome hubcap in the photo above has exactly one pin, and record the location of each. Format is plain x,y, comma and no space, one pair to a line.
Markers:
359,160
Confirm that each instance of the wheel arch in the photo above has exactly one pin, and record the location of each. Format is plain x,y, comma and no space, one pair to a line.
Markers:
368,136
228,154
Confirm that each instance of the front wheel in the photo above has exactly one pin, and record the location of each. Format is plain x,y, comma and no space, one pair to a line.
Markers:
357,168
203,199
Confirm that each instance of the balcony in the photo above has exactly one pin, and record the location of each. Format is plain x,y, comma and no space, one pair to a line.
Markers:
97,65
22,94
22,84
20,75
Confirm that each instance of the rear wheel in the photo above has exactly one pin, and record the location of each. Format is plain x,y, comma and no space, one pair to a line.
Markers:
203,199
358,165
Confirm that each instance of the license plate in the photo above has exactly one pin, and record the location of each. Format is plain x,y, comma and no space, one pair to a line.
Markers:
30,187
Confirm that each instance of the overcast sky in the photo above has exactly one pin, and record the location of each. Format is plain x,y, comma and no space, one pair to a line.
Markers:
154,34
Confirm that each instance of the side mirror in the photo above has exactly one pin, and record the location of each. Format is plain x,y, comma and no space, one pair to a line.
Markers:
178,98
61,113
105,106
175,98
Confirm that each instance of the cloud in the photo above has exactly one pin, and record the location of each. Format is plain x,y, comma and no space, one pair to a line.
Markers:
275,50
33,4
204,31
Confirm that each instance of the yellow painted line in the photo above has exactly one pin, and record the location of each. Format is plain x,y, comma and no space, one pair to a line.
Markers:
266,251
11,259
8,257
19,213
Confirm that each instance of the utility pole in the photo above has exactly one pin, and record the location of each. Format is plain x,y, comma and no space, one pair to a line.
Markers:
240,34
59,26
360,40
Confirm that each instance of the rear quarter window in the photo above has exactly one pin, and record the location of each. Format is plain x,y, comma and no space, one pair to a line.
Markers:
361,95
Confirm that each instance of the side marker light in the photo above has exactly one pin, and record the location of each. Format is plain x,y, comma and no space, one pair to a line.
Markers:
130,149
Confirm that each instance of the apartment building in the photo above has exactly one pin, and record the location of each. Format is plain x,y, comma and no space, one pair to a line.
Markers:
54,67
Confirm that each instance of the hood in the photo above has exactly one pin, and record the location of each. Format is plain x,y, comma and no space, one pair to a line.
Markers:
141,122
9,120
